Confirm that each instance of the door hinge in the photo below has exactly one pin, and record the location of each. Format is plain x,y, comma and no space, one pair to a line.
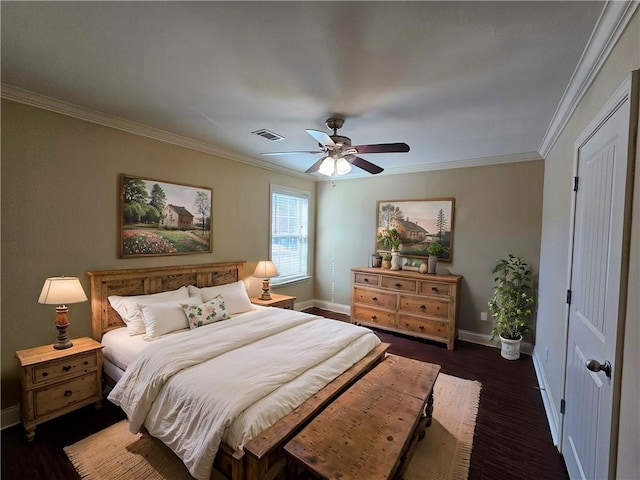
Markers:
568,297
562,405
575,184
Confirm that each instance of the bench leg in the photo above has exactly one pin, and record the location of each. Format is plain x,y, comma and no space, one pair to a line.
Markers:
429,411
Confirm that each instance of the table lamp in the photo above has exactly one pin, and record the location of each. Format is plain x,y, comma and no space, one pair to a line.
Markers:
60,291
265,270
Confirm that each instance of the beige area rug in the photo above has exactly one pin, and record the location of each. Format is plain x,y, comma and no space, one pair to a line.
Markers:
444,454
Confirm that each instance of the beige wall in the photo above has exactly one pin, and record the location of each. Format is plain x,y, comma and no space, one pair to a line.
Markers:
554,259
498,210
60,215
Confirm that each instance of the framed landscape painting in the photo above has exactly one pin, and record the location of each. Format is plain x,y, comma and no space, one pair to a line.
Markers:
163,218
416,224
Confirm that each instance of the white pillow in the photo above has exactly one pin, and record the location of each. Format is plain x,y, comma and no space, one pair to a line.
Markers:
167,317
129,310
209,312
234,295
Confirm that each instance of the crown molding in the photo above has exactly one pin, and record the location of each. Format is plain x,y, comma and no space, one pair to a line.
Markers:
613,19
27,97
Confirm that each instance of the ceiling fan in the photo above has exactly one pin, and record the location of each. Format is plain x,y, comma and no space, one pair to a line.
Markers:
338,153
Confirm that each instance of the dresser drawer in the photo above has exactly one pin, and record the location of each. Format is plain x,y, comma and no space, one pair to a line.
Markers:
435,288
375,298
427,306
399,284
56,397
424,327
51,371
366,279
374,316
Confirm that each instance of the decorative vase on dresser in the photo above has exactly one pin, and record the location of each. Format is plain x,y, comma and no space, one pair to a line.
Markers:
407,302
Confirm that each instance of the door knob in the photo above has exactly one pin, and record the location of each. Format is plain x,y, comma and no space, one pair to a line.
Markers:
596,366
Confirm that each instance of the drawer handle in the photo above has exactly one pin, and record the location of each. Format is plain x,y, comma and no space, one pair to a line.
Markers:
421,327
45,374
373,317
398,285
86,362
68,393
423,307
375,299
434,289
66,368
366,280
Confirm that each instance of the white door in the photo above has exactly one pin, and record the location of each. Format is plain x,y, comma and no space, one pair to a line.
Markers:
596,281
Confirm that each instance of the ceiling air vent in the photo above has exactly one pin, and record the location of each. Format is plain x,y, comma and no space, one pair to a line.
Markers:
272,137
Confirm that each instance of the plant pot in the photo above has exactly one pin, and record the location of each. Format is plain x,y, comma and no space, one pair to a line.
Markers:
433,264
510,349
376,262
396,261
386,264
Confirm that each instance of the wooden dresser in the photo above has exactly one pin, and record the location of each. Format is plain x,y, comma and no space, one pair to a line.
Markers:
412,303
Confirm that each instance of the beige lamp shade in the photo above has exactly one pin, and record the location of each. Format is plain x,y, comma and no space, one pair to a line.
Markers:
62,291
265,269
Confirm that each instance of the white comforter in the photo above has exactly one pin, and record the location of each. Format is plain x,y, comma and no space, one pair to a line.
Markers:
230,380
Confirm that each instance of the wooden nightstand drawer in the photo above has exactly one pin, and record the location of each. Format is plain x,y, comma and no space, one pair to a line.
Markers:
73,366
58,396
277,300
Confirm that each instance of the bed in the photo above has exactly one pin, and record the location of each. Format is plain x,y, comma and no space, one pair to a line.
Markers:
245,454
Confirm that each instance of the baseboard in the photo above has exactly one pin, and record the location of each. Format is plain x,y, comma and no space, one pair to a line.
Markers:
332,307
485,339
549,408
10,416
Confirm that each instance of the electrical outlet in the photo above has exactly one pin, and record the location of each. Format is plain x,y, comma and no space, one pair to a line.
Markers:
483,316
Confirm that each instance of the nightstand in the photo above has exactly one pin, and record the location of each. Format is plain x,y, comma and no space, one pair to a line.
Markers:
281,301
55,382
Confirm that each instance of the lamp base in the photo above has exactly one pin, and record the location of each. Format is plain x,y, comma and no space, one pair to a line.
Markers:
61,324
63,342
265,290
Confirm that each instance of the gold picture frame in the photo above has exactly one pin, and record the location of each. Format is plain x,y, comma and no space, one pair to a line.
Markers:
418,223
164,218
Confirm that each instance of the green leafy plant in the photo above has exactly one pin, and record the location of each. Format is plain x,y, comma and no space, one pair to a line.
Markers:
377,255
387,257
435,248
389,239
512,301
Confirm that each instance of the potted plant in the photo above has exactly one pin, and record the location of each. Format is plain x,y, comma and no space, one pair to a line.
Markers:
511,304
434,249
389,239
386,260
376,260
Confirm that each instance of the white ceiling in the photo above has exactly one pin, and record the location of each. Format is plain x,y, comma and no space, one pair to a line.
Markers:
457,81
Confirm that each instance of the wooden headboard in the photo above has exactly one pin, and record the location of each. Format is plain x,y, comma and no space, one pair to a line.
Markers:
145,281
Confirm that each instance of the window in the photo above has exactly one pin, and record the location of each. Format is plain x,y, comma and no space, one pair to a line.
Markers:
289,233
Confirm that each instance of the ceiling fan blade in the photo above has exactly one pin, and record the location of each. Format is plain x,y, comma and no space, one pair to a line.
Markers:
321,137
364,165
292,153
383,148
314,168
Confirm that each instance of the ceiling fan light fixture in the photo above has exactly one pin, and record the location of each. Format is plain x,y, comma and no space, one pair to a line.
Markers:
328,167
342,166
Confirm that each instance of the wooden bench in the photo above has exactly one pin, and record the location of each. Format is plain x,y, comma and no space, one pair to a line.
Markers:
371,430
